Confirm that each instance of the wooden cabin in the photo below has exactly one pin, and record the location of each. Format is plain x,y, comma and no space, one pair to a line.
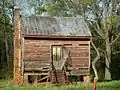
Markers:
50,49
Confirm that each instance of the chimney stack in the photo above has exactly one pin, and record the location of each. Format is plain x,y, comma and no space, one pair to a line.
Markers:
17,47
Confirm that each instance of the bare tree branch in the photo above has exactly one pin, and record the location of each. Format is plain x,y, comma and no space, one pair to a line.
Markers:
95,60
115,39
117,52
98,30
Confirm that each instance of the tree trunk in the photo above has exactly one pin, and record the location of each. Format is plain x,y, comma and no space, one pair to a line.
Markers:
107,58
9,68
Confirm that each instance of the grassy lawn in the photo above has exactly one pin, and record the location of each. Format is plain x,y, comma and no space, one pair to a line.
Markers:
112,85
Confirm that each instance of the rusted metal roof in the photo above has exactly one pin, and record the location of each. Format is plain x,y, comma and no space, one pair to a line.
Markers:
58,26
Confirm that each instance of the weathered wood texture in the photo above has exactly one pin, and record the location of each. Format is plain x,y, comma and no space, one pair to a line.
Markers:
39,50
58,77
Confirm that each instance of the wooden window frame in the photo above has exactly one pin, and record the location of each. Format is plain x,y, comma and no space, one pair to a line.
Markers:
56,46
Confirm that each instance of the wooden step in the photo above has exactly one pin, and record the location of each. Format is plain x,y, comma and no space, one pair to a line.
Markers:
36,69
37,66
36,73
44,83
47,69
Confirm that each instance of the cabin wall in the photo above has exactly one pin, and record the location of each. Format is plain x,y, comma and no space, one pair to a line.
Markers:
39,50
36,50
80,59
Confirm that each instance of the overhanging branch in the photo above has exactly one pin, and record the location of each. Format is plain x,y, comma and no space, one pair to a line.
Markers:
117,52
115,39
97,29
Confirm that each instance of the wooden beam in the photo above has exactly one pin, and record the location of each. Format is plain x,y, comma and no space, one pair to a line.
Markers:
87,38
36,73
22,57
25,80
46,77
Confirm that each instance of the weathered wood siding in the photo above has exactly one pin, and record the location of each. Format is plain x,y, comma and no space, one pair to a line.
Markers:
60,77
79,53
36,50
80,59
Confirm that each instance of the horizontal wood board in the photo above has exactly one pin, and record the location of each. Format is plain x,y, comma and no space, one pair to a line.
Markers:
39,50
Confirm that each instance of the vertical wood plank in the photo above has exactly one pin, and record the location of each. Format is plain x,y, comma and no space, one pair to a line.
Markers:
94,84
25,79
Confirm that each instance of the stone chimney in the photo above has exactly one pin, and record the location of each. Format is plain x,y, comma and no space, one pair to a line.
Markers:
17,79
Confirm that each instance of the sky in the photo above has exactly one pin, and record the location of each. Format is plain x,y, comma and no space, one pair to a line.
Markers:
24,7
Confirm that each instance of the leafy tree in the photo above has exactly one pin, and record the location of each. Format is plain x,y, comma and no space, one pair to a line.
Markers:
106,27
6,37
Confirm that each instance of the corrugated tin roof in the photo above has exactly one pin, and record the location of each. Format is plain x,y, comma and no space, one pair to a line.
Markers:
59,26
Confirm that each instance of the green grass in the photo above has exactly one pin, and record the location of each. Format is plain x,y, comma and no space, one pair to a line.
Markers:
112,85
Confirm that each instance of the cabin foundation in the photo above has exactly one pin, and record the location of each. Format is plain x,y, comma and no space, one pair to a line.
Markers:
86,80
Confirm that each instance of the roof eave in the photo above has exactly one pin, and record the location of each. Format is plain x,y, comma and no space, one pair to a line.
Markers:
56,36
